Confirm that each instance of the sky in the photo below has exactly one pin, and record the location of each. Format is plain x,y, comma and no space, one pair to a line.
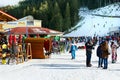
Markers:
8,2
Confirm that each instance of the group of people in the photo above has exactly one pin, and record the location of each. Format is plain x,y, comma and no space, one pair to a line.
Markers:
104,49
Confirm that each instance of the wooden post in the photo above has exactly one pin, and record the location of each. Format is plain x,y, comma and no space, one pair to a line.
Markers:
20,54
29,51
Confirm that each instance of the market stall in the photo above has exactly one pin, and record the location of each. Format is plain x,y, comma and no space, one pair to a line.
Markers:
40,47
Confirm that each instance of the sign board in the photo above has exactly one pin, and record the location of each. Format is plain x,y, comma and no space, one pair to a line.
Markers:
21,23
37,23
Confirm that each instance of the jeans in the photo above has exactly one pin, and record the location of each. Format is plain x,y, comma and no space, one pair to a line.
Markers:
100,62
105,61
114,57
88,59
73,54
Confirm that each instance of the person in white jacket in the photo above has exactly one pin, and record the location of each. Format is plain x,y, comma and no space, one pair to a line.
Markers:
114,51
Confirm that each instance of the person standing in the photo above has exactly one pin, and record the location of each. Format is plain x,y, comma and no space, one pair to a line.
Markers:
89,47
105,53
99,55
114,52
73,49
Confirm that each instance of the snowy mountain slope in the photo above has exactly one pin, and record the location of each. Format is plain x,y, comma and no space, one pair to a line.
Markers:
110,10
97,25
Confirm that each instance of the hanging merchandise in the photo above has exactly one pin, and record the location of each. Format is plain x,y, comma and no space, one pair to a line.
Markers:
20,39
4,61
57,38
14,39
4,51
10,39
48,36
23,38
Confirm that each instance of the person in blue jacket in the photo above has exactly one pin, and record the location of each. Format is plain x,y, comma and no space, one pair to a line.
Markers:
73,49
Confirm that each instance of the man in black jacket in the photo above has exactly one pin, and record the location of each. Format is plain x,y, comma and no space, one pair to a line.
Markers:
89,47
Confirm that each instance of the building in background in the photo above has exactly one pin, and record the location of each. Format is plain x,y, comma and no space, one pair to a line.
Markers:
4,18
26,25
23,22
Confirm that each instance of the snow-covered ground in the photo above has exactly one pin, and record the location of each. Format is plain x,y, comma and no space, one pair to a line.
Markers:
97,22
110,10
61,67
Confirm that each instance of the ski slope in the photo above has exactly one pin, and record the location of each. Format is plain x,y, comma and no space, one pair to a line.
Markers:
97,22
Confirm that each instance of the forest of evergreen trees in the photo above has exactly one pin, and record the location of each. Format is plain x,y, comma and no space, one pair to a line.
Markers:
59,15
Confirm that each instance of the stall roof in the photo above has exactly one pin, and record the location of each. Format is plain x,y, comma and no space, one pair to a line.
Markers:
32,30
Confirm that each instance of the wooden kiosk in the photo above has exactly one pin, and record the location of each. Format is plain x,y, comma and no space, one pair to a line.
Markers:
37,46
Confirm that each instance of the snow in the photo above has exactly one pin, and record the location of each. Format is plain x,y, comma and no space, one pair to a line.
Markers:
110,10
61,67
97,22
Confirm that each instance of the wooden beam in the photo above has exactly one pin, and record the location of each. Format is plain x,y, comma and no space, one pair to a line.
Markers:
6,16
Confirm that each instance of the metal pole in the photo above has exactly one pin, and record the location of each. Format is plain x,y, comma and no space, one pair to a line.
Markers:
26,29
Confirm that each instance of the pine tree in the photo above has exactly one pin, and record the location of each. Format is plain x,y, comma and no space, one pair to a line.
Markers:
43,10
67,20
37,8
57,20
73,11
